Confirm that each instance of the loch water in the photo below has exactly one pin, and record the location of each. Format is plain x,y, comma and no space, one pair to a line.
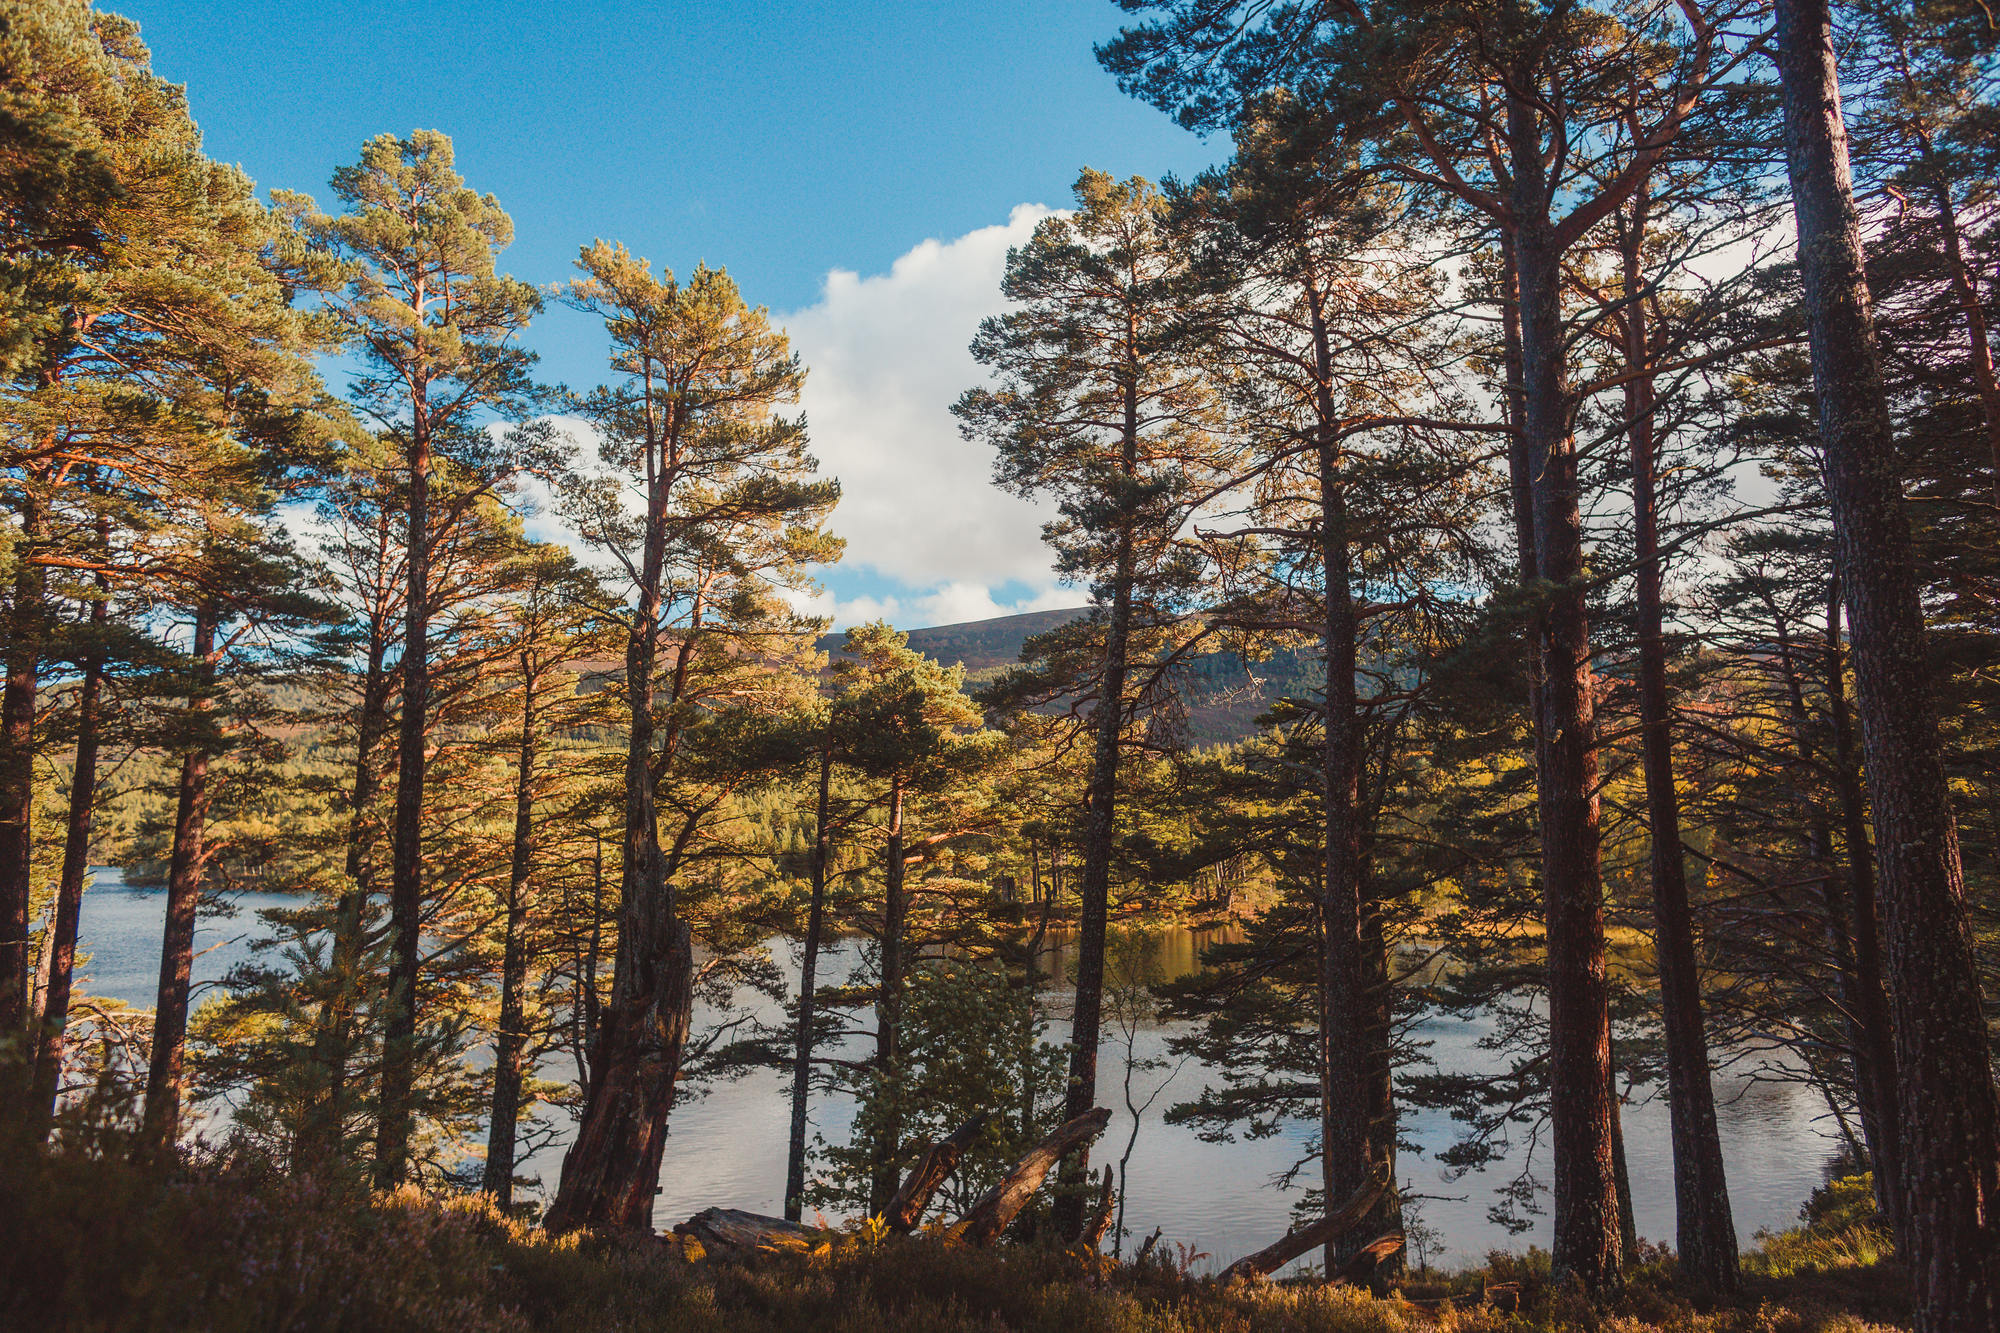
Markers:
726,1147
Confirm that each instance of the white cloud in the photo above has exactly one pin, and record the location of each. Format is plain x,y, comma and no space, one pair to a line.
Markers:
948,604
888,355
928,533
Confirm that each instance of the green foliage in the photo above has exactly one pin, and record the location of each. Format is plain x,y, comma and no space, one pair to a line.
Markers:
970,1042
1842,1231
407,272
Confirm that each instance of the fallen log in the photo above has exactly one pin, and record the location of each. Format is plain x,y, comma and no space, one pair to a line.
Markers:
734,1229
1275,1256
997,1208
907,1208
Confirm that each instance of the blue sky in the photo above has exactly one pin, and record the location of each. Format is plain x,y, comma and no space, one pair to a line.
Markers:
889,144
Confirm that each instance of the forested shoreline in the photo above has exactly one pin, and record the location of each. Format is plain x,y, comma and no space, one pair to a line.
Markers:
1536,503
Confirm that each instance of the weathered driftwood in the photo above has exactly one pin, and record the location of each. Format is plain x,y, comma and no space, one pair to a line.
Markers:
997,1208
733,1229
1276,1256
1100,1219
907,1208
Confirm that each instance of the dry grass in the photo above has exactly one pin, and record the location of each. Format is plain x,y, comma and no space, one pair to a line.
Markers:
90,1242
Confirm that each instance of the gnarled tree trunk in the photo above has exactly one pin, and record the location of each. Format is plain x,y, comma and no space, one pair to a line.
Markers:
995,1210
612,1171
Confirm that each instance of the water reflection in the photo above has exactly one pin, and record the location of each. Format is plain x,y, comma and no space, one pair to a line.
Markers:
726,1147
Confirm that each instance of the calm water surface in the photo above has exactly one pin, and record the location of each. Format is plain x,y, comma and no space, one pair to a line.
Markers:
118,937
727,1147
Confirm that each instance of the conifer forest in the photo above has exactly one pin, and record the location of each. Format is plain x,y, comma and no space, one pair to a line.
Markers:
1527,524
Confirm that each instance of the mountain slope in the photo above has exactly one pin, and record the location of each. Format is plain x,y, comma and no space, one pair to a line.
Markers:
1225,697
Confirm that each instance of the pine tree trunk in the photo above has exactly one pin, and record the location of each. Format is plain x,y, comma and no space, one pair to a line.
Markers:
802,1051
1704,1229
162,1126
1869,1052
612,1171
318,1143
1949,1114
889,1003
1592,1135
1378,1080
512,1037
587,1003
1876,1042
25,633
406,883
1351,1146
52,1038
1628,1221
1520,467
1100,825
1586,1243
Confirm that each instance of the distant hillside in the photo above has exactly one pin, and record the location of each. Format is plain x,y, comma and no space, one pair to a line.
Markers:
1227,697
984,645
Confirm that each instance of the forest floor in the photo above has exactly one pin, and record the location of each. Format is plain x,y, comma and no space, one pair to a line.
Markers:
89,1241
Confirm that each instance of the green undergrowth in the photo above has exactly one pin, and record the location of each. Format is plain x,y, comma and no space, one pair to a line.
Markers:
1841,1256
90,1242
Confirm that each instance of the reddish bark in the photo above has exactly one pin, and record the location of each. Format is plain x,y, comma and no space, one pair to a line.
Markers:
51,1039
162,1125
1586,1243
406,874
25,630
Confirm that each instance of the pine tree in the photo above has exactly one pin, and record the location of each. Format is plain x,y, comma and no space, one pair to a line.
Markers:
1542,167
730,506
1949,1108
547,621
156,314
905,717
1100,404
248,599
408,272
1358,496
